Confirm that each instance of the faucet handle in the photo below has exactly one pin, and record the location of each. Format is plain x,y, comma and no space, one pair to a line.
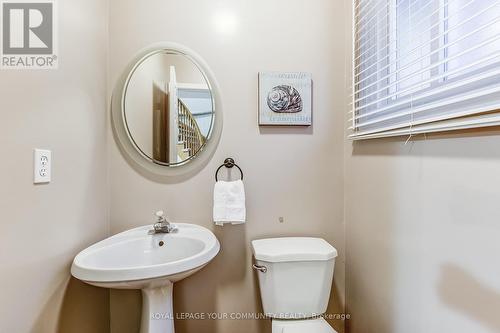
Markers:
162,225
160,215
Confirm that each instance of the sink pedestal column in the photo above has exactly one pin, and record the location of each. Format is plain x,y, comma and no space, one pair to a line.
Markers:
157,310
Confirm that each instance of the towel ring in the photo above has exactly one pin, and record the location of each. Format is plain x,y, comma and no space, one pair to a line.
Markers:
228,163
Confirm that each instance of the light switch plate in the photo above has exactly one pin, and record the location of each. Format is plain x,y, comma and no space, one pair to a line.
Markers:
42,164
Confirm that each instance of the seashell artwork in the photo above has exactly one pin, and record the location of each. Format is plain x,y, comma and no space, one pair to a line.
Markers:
284,99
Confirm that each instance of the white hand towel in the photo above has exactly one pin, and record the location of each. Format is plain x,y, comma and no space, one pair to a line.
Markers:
229,202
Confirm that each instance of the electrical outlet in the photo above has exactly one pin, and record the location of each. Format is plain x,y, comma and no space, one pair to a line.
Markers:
41,166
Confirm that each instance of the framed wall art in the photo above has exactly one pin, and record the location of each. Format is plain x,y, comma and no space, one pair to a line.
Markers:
285,99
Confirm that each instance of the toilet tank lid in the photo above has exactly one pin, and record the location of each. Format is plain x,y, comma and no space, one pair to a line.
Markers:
293,249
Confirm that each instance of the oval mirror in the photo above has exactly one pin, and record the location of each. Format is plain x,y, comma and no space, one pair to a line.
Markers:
168,109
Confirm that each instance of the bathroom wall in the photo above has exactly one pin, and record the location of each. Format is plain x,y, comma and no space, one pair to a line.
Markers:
295,173
42,227
422,231
422,234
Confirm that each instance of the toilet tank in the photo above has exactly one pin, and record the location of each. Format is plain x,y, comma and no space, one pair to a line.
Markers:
295,275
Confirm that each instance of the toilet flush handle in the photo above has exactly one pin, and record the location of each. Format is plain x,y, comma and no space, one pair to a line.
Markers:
262,269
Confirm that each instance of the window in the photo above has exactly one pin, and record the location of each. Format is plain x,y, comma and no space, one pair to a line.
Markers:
424,66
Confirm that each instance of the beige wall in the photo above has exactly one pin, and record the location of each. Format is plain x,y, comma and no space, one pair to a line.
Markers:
291,172
422,233
44,226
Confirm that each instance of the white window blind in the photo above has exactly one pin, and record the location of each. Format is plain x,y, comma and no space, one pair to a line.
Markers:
424,66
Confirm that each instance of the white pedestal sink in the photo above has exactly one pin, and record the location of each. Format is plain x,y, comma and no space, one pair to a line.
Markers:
134,259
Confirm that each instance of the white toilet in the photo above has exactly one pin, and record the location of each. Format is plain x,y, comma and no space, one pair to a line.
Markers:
295,279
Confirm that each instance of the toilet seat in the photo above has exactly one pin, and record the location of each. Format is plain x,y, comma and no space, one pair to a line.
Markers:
302,326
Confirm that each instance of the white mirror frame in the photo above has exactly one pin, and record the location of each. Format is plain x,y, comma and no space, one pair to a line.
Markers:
122,134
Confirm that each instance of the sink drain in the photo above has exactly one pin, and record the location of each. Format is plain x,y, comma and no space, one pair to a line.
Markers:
161,243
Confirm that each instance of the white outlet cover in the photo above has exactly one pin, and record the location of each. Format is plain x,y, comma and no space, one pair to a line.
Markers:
42,163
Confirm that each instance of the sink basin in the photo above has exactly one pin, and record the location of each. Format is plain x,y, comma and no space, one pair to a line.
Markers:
135,259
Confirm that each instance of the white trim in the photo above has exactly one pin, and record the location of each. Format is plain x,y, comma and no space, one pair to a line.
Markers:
192,86
173,115
444,126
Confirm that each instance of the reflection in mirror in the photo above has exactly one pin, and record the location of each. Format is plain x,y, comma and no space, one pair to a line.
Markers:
168,108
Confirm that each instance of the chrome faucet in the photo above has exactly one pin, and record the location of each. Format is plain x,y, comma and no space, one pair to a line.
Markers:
162,225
